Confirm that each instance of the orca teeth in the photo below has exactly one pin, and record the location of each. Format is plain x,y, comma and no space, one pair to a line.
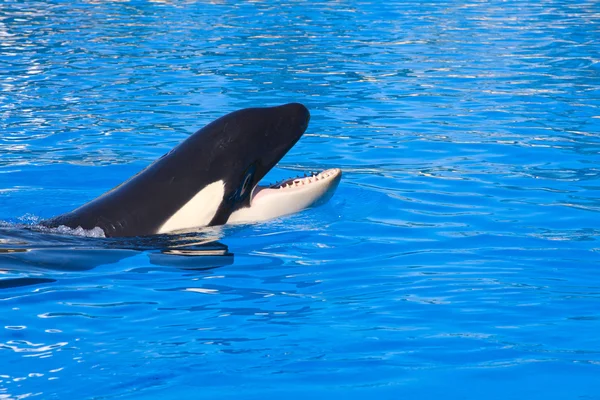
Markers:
309,178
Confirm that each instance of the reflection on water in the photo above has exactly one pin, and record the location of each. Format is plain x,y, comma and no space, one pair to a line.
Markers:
27,251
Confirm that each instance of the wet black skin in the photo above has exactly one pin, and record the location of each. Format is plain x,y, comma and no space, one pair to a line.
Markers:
238,148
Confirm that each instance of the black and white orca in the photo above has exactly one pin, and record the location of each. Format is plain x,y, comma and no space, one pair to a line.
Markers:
211,178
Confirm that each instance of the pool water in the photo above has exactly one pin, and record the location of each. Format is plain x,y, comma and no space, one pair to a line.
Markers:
459,258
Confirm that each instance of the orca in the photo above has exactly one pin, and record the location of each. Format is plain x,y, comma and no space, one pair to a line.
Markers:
211,178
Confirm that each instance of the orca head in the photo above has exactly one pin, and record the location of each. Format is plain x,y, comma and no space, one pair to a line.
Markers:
228,158
253,202
244,146
261,137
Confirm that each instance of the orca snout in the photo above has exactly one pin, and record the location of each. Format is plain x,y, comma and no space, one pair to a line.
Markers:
297,116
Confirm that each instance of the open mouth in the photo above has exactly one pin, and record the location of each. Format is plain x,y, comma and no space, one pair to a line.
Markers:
289,196
314,183
312,178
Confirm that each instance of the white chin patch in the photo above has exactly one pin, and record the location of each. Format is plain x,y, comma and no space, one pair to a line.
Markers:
198,211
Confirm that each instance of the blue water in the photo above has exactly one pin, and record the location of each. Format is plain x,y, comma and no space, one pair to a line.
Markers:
459,258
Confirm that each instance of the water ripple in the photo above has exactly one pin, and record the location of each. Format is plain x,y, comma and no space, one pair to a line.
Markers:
460,252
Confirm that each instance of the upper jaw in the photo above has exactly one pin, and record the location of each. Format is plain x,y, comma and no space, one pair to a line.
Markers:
313,177
288,197
285,130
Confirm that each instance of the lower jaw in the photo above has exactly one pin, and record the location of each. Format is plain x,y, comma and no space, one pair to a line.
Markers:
274,201
292,184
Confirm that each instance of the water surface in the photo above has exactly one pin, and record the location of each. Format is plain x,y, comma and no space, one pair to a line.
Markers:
458,259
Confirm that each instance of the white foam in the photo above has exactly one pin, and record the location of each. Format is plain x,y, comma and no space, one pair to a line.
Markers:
32,222
79,231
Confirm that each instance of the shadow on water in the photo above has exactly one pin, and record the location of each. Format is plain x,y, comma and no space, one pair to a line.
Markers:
29,251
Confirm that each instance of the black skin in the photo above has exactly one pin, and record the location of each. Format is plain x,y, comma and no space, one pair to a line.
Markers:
238,148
